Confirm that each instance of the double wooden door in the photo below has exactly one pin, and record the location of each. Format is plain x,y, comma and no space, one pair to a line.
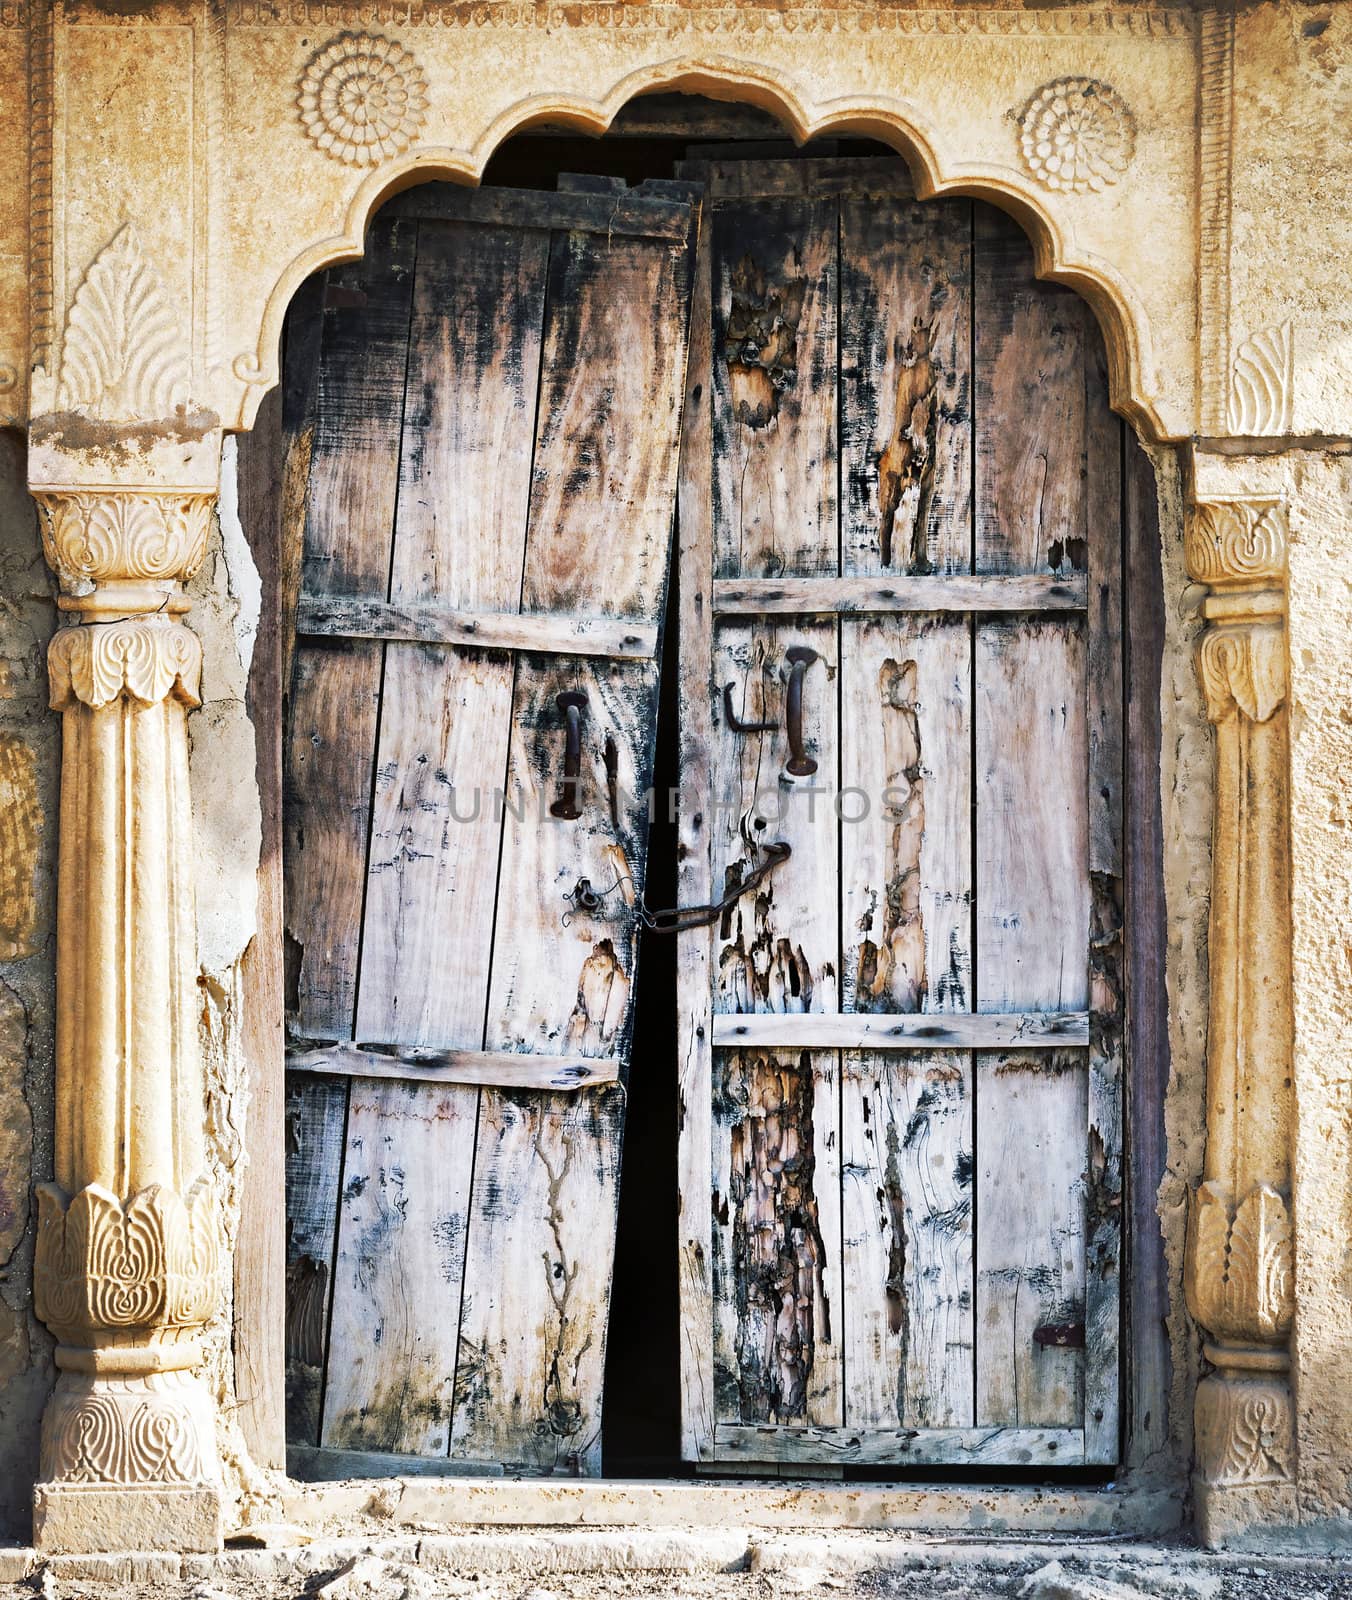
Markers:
487,475
900,530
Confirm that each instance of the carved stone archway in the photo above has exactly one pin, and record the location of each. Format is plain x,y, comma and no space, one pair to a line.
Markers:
162,255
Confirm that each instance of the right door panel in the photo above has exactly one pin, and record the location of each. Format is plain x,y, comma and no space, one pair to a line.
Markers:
901,614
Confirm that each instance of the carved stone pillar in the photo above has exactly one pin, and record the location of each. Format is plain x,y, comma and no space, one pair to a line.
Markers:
1238,1272
128,1258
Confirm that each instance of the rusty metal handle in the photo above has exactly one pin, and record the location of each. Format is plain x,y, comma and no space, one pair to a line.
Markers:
734,722
800,658
568,806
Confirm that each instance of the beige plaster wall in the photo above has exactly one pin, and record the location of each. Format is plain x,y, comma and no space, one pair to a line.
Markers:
1321,842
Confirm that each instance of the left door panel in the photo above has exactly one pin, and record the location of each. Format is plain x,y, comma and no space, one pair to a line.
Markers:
489,457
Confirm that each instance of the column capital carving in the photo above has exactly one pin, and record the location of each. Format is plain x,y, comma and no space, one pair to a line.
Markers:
1243,669
1238,1272
125,537
144,658
145,1268
1237,541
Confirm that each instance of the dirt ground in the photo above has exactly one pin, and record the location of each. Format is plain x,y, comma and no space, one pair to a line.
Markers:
597,1566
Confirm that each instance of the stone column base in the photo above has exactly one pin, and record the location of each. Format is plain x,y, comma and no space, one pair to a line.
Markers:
1245,1437
128,1459
89,1517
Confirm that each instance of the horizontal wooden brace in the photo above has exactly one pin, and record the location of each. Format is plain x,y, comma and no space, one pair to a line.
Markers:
420,622
498,1069
881,1447
807,1030
630,213
750,597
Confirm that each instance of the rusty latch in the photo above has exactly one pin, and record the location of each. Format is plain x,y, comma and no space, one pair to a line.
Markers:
1060,1335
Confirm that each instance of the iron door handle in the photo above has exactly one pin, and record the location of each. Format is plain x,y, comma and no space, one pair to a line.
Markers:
568,807
735,723
800,658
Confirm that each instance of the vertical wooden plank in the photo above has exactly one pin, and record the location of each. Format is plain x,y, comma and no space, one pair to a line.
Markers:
532,1353
906,1160
336,687
905,386
694,879
259,1326
612,384
465,484
906,876
774,375
1031,1111
1030,407
397,1277
473,374
776,1118
1146,939
1104,1181
1033,830
1032,943
600,524
316,1112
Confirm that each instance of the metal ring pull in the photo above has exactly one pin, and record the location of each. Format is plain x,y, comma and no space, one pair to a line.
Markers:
800,658
568,806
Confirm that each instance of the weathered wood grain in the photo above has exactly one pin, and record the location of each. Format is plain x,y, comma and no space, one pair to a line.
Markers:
905,834
465,481
961,592
629,213
260,1246
428,623
1028,367
1031,1113
316,1113
1149,1371
335,689
1026,1030
774,384
1107,977
533,1327
984,1447
906,1161
823,176
1032,879
777,1209
905,386
501,1069
694,875
399,1269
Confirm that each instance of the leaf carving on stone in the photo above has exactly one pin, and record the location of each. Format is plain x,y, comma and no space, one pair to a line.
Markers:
1262,381
125,356
145,658
1243,668
1236,542
1238,1264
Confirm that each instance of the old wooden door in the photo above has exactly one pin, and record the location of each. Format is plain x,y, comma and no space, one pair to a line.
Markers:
900,632
489,481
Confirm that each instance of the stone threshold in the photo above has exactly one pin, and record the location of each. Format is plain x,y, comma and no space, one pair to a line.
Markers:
798,1506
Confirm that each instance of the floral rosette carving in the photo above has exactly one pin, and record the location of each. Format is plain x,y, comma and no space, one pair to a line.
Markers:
94,537
1077,135
150,1264
362,98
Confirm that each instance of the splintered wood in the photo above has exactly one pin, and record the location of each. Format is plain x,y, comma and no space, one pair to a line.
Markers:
497,406
908,478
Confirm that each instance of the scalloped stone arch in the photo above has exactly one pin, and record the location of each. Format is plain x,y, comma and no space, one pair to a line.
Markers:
889,119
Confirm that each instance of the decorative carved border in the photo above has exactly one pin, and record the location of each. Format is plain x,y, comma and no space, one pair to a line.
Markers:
862,16
1216,90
